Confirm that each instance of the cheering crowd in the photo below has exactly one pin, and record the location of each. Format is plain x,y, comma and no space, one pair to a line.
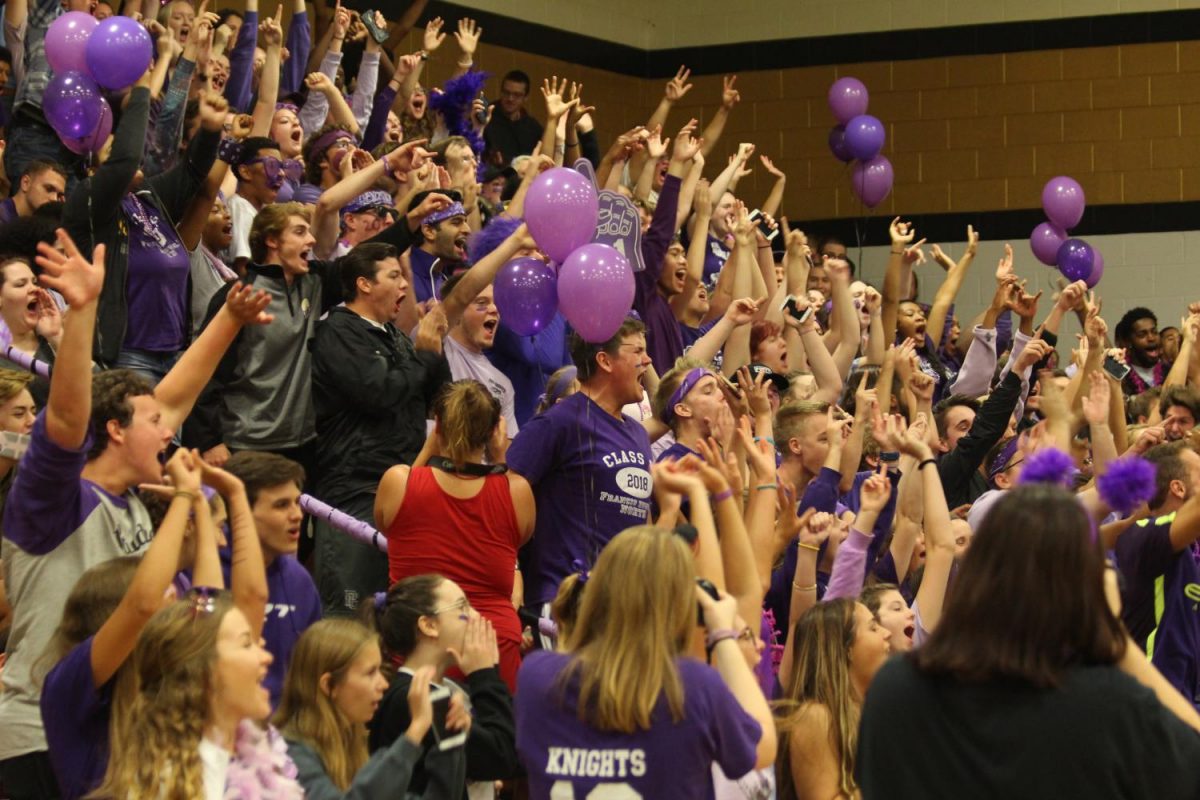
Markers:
781,534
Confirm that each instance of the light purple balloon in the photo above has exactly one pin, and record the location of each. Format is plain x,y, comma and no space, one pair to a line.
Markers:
837,144
71,104
848,99
526,295
1063,201
871,181
865,136
1097,269
118,52
1076,260
91,144
561,210
595,291
1045,241
66,41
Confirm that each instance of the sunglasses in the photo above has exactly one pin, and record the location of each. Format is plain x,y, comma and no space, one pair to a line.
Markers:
380,211
274,169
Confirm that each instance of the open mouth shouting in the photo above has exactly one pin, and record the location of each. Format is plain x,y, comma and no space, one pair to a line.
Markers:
460,248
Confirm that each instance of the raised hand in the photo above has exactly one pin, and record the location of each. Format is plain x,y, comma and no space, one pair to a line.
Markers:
817,528
1004,268
468,34
1034,352
433,37
702,199
49,322
319,82
226,483
770,167
729,95
213,108
341,21
1095,402
875,491
408,156
420,707
941,257
579,109
902,233
478,647
656,146
184,472
686,145
741,311
247,306
743,226
553,91
270,30
1025,305
678,86
78,280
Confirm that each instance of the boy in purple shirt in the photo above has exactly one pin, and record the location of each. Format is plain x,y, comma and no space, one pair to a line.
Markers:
72,504
588,463
1158,559
273,489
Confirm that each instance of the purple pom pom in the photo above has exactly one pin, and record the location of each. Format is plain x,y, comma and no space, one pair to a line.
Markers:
1127,483
1048,466
454,104
491,236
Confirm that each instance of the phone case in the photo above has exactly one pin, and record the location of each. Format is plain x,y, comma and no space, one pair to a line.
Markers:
377,33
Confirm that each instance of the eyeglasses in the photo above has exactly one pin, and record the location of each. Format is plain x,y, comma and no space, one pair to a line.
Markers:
343,144
463,606
273,168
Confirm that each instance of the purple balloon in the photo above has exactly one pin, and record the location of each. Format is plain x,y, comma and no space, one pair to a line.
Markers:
871,181
66,41
561,210
1076,259
118,52
1045,241
1097,269
71,104
595,291
865,136
526,295
837,144
1063,201
91,144
848,99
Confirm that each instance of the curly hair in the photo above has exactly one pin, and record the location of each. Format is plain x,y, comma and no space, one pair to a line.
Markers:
111,393
163,724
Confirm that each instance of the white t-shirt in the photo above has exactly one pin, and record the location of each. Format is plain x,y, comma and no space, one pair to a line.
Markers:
467,364
214,762
242,214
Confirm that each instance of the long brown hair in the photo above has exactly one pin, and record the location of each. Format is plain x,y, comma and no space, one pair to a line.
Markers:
821,676
170,707
636,616
308,714
1028,603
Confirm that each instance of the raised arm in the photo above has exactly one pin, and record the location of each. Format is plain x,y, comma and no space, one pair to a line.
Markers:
299,45
79,281
956,272
902,255
556,108
774,200
483,272
270,33
714,129
241,60
247,574
697,249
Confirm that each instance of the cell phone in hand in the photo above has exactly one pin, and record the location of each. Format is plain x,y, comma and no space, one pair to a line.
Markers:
446,739
791,307
766,230
482,116
1115,368
709,590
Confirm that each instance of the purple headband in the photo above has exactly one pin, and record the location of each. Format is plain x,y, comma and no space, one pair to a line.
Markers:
1002,459
322,144
452,210
554,391
289,106
688,383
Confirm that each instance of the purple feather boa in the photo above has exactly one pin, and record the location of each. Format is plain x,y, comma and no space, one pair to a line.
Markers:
1050,465
491,236
454,104
1127,483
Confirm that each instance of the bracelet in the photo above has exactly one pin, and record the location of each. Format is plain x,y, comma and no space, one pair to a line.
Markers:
815,548
896,252
765,439
762,487
719,635
764,247
926,461
467,64
720,497
572,144
182,493
889,457
800,588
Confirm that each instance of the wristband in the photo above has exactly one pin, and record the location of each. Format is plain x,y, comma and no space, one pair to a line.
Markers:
720,497
813,547
182,493
889,457
467,64
921,466
766,486
800,588
765,439
897,252
229,150
719,635
572,144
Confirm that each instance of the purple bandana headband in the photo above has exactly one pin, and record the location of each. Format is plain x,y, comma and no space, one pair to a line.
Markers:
686,385
322,144
1003,458
452,210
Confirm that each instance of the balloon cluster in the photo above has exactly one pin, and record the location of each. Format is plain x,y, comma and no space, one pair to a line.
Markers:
859,137
594,285
1063,202
87,54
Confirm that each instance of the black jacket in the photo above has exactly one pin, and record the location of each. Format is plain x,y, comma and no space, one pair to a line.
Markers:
371,389
93,213
959,469
491,744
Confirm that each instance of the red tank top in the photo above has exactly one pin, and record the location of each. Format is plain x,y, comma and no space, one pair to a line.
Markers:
471,541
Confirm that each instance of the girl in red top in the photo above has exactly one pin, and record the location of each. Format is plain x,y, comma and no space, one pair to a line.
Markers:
452,514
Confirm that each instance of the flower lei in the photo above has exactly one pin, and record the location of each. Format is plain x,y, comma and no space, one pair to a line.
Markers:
1139,385
261,768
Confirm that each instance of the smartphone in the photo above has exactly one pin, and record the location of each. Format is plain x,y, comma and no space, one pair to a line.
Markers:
792,309
711,591
766,230
482,116
1115,368
446,739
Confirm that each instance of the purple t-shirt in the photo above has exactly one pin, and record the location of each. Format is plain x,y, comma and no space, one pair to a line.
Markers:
590,474
1160,601
292,606
569,758
76,714
156,287
715,256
